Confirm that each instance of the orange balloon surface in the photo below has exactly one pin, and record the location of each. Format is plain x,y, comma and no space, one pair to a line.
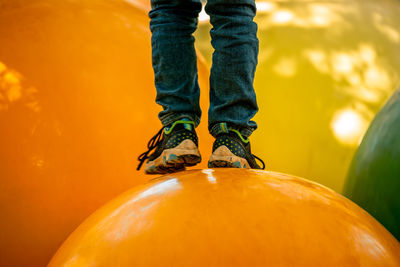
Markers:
143,4
76,109
229,217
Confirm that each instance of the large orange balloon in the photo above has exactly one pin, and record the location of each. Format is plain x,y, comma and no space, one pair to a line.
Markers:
76,109
229,217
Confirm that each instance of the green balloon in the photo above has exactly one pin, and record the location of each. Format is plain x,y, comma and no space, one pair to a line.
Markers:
373,181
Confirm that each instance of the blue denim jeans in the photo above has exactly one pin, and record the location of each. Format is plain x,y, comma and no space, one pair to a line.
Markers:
234,38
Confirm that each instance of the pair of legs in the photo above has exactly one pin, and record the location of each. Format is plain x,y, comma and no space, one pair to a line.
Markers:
234,38
232,98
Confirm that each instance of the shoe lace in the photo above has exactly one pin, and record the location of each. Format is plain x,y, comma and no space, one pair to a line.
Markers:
154,142
244,140
260,160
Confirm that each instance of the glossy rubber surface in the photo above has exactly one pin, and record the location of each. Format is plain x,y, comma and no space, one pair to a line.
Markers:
325,69
76,107
229,217
374,177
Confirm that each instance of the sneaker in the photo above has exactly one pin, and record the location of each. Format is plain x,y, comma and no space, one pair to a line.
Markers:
232,150
176,147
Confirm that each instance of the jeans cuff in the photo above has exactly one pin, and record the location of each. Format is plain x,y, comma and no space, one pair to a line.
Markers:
167,120
223,127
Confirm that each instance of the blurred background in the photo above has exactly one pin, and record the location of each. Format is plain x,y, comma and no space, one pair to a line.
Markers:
325,69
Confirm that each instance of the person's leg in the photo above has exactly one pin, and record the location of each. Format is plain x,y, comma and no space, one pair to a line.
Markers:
175,68
232,98
174,58
234,38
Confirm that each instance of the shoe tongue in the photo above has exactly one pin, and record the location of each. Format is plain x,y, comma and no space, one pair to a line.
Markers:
187,126
179,125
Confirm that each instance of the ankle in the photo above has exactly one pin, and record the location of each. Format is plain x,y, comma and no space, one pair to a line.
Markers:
228,128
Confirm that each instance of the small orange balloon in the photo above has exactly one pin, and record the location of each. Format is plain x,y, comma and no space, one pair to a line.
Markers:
229,217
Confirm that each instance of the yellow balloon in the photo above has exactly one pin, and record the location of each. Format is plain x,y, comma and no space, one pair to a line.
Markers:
325,68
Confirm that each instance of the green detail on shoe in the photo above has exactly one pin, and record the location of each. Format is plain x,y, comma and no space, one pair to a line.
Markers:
237,164
240,135
188,126
172,157
224,127
185,122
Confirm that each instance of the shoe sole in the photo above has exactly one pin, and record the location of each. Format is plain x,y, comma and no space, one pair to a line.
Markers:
222,157
186,154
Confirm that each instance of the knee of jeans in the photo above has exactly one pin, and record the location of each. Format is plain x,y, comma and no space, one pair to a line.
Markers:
179,8
179,16
231,9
